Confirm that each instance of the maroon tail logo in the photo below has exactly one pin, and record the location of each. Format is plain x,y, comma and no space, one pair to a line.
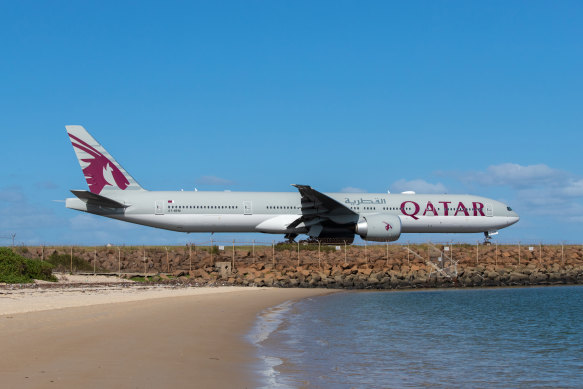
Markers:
100,171
387,226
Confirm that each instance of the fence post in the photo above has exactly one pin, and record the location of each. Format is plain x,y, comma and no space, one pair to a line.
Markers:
273,252
477,252
145,268
42,258
319,256
298,254
408,254
253,250
71,259
189,258
365,251
496,260
212,249
345,252
519,253
94,260
119,262
233,261
167,261
387,243
429,253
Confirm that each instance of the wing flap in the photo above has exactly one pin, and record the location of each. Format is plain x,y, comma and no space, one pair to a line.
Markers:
318,208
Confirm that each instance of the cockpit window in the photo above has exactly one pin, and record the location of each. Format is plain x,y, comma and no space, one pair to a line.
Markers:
509,209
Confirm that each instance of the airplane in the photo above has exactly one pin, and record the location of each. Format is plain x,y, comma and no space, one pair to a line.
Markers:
330,218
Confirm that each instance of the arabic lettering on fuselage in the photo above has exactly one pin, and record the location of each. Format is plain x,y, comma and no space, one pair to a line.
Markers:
375,201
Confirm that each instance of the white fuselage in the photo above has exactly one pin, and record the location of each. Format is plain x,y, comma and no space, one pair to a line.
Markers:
272,212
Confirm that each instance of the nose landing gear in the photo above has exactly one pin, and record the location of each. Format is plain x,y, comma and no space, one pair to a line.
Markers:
488,237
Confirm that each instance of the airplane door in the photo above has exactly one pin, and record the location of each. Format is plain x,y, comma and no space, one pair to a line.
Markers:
159,207
247,207
489,210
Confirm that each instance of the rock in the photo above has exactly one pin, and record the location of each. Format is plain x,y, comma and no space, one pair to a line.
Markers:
538,278
366,272
517,277
345,266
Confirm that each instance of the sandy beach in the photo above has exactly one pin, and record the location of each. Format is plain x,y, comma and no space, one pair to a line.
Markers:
138,337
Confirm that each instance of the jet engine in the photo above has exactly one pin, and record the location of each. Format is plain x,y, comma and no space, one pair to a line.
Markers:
379,228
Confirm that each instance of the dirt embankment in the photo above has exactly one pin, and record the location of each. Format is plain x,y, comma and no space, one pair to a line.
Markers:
358,267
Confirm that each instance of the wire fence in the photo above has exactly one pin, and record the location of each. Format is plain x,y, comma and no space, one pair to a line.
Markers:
239,253
10,237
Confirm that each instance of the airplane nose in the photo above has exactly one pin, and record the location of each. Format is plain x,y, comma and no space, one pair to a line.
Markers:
513,219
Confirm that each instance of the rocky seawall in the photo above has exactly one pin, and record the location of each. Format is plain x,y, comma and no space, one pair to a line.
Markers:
351,267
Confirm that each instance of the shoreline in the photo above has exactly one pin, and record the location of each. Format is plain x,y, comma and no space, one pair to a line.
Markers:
158,339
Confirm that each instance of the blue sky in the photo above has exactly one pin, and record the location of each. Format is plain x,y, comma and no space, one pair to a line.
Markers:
461,97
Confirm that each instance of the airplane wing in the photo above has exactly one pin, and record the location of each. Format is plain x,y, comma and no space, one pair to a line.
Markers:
318,208
95,199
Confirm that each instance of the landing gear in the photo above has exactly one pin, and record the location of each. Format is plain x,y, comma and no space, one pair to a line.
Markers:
488,237
290,237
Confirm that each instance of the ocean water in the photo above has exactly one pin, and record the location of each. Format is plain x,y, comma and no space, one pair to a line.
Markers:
516,337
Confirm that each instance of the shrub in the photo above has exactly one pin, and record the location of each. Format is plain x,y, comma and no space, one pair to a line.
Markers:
62,263
15,269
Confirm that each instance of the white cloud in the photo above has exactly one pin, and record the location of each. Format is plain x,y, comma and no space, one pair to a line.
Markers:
212,180
18,216
351,189
418,186
12,195
538,189
573,188
515,175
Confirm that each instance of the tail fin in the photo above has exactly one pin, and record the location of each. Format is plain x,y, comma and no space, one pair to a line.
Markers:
101,171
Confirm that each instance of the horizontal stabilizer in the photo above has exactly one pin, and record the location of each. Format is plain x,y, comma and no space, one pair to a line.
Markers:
95,199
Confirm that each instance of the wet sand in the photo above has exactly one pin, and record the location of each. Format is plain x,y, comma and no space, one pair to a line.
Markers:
190,341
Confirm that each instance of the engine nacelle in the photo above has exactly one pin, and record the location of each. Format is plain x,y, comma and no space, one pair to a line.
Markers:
379,228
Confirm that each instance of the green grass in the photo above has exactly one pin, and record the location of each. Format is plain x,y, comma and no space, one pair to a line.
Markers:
15,269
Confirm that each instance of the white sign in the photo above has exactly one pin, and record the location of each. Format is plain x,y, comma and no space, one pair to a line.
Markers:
439,259
222,248
337,248
446,248
531,248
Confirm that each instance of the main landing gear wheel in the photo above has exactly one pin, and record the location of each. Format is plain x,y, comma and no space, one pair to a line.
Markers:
290,237
488,237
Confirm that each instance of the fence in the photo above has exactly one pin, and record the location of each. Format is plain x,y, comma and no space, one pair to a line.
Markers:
161,259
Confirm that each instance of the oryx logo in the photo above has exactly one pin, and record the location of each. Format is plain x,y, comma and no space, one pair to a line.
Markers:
100,171
387,226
